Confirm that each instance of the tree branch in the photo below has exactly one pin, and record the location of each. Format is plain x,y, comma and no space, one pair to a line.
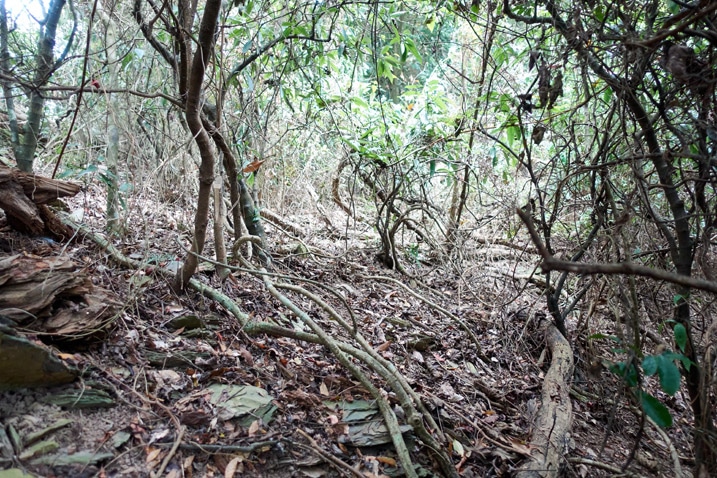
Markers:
550,263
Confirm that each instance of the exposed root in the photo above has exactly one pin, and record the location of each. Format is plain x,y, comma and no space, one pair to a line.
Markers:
440,309
554,418
410,401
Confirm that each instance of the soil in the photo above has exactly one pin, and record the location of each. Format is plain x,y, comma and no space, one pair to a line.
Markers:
162,408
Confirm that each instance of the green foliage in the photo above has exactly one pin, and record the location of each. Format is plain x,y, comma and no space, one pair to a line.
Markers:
654,409
664,365
681,337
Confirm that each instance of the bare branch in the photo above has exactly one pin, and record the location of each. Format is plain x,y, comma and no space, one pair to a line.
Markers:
550,263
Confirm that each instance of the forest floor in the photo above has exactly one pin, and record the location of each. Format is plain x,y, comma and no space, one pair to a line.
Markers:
171,365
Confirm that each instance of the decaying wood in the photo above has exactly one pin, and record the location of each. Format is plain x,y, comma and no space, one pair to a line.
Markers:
23,196
554,418
22,214
282,222
52,295
28,364
38,189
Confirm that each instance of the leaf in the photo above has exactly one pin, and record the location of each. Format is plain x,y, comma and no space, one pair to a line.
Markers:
599,336
253,166
669,375
411,47
599,13
649,365
458,448
628,374
233,466
359,102
431,23
655,410
680,336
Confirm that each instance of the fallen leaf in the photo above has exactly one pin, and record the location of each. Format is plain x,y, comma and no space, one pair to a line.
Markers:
152,454
386,460
383,347
233,466
323,389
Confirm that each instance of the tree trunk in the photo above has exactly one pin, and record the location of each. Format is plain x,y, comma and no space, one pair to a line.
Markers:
44,66
115,109
202,58
252,219
5,69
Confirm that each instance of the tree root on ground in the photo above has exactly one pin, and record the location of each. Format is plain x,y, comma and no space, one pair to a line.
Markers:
478,351
554,418
364,353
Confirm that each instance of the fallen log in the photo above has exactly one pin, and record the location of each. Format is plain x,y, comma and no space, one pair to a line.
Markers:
52,295
48,297
549,441
24,196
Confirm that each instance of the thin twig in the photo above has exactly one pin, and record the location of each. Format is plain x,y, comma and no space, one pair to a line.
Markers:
328,456
172,451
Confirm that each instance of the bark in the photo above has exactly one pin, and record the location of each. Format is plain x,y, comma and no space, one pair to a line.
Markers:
219,245
44,67
230,167
5,69
201,137
23,196
115,109
554,419
252,219
27,364
48,295
29,286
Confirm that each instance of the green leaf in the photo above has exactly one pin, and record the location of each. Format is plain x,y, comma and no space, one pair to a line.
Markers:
431,23
359,102
655,410
513,133
599,13
649,365
669,375
607,95
628,374
680,336
411,47
493,155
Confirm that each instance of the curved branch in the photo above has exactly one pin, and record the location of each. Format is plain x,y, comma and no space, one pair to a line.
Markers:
146,29
70,41
626,268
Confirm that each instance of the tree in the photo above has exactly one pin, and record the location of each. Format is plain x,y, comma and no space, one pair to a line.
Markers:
651,68
44,67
